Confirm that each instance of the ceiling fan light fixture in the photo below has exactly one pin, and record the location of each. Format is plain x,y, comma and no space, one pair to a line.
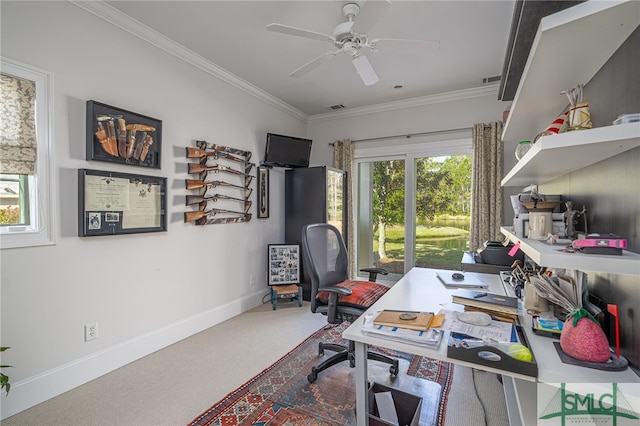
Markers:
365,70
351,36
350,10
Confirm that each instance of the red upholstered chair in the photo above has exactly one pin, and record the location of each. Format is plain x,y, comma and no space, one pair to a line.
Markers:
333,295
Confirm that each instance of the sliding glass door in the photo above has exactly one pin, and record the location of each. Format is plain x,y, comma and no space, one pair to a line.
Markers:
381,215
412,209
442,219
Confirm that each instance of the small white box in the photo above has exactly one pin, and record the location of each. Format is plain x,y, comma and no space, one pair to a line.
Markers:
627,118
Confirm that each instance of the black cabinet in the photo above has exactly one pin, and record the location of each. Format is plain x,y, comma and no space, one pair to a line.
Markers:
313,195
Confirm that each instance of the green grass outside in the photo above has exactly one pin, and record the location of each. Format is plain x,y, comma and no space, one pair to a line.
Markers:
428,255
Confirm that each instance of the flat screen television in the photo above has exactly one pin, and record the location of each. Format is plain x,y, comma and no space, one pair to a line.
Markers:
286,151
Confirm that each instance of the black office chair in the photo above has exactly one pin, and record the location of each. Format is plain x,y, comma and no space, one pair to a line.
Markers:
333,295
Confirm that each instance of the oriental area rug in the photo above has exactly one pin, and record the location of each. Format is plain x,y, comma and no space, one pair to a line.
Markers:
282,395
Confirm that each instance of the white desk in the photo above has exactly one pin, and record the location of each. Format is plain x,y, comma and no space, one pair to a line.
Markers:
421,290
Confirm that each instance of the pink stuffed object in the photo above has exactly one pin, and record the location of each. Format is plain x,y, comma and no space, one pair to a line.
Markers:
583,339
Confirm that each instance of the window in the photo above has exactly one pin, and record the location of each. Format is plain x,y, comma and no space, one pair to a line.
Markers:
27,211
406,206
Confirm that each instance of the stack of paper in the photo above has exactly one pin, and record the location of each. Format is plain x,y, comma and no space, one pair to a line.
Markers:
496,331
430,338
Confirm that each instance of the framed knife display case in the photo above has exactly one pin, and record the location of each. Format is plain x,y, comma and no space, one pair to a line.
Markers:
111,203
119,136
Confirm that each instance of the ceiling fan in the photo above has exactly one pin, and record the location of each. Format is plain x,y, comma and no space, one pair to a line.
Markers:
351,36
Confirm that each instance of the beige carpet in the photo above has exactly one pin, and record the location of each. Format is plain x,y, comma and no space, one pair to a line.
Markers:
173,385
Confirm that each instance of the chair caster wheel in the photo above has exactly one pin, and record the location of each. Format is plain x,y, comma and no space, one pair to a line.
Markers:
313,376
394,370
320,349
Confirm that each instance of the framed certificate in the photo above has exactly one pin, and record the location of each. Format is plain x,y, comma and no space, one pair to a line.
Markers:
111,203
284,264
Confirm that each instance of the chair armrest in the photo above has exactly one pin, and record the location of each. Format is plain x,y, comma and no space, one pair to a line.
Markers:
373,273
334,292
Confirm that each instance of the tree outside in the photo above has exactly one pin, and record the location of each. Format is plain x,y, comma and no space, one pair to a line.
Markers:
443,201
9,215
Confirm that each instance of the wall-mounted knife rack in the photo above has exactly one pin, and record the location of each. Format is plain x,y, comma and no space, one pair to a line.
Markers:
220,185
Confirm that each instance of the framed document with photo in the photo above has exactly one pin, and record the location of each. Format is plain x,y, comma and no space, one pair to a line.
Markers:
284,264
111,203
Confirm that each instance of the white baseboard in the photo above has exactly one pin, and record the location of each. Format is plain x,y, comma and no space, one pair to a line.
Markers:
42,387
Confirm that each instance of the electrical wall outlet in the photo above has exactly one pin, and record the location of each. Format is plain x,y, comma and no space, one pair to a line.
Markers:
90,331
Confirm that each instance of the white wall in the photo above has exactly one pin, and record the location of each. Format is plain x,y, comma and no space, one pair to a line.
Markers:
438,113
146,291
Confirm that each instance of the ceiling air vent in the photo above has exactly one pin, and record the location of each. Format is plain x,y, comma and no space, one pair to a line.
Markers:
491,79
338,106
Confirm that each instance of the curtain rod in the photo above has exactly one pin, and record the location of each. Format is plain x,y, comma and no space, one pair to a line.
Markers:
408,136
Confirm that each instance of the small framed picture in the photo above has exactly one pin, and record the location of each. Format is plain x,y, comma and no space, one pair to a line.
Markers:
119,136
263,192
284,264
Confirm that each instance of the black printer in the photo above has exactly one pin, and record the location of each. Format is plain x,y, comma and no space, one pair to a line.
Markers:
497,253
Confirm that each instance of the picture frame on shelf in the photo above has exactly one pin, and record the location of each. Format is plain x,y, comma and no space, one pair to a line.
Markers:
116,135
263,192
284,264
112,203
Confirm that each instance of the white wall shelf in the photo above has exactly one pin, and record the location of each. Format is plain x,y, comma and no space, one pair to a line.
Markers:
556,155
569,49
551,256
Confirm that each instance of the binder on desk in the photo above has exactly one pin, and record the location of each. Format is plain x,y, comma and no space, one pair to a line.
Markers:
486,301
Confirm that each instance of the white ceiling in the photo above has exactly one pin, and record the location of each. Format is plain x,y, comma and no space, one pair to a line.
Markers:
473,39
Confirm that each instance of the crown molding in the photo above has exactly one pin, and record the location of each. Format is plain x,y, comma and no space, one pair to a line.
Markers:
458,95
112,15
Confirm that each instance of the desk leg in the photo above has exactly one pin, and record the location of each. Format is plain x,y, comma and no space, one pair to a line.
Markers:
362,382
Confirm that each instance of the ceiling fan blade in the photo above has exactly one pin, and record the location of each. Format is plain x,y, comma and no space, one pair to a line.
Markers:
369,15
285,29
365,70
314,63
414,47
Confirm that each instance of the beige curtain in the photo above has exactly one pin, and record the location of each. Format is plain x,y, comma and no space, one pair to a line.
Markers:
18,142
486,191
343,160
